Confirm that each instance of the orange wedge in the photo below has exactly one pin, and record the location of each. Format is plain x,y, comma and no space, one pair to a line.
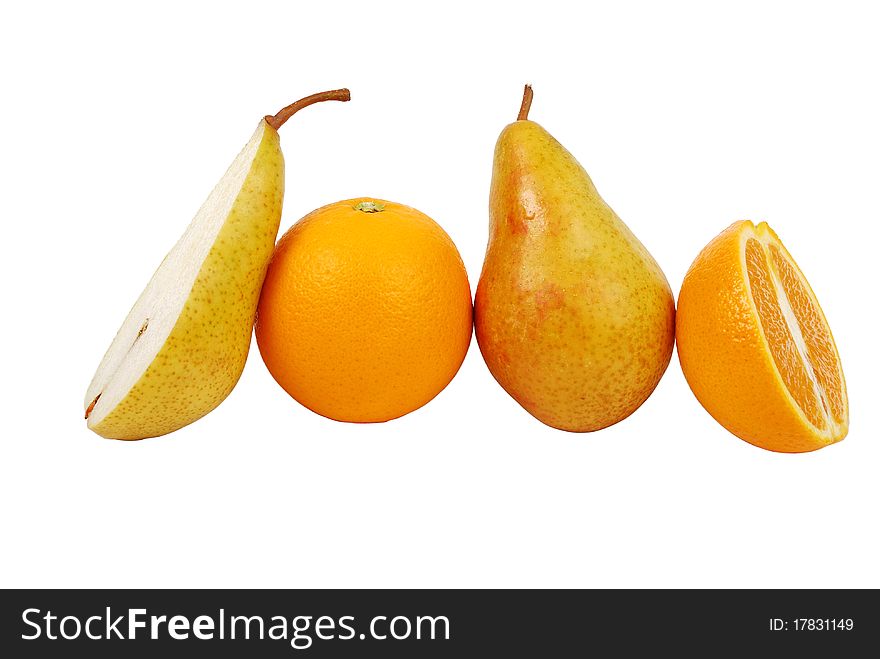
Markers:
755,347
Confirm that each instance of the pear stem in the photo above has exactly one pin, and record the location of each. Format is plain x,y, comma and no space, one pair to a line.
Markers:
283,115
526,104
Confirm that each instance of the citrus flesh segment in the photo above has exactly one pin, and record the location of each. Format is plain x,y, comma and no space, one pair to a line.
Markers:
817,338
780,334
796,333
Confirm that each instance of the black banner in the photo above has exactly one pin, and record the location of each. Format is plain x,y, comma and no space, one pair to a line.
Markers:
437,623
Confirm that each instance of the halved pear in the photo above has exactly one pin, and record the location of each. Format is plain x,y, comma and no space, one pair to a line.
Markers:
183,346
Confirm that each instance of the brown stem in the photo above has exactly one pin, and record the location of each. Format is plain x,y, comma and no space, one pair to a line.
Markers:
278,120
526,104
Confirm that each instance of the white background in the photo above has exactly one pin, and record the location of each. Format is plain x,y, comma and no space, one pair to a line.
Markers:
118,120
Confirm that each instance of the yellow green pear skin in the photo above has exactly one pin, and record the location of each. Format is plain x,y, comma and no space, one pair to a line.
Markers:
573,316
204,355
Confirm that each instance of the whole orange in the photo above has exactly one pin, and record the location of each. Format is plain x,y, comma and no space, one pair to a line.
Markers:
366,312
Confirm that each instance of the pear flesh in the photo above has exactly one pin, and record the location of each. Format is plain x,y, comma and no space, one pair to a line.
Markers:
573,316
184,344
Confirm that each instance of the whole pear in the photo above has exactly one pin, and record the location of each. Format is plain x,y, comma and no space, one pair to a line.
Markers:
573,316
